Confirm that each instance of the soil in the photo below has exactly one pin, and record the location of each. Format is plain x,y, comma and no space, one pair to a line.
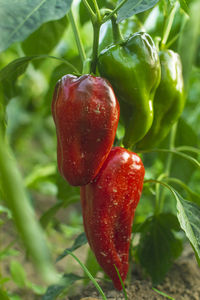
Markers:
181,283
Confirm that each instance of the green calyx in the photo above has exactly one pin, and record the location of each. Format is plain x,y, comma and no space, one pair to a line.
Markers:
168,101
133,69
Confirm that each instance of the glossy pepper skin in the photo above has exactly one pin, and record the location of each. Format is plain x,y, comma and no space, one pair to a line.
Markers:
108,207
169,100
133,69
86,113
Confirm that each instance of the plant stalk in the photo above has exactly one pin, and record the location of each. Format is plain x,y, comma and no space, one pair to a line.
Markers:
77,36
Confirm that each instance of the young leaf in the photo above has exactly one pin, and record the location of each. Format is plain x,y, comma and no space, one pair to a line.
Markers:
132,7
43,40
79,241
55,290
158,245
18,19
188,214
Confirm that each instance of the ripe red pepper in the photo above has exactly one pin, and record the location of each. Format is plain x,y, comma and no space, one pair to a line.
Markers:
108,207
86,115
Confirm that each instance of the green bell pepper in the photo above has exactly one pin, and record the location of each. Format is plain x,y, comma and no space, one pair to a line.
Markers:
133,69
168,101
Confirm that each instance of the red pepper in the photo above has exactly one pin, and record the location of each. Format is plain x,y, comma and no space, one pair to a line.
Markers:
108,207
86,115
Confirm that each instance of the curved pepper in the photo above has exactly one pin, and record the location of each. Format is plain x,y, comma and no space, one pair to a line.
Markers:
86,114
108,207
133,69
168,101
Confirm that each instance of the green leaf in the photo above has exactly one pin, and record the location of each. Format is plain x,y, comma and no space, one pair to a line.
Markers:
67,193
18,274
10,73
158,246
184,6
188,214
18,19
55,290
50,213
132,7
43,40
185,135
79,241
190,33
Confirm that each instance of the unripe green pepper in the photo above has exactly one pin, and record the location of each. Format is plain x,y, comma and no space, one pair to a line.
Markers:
168,101
133,69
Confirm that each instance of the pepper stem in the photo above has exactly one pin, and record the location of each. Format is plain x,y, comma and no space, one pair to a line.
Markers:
117,36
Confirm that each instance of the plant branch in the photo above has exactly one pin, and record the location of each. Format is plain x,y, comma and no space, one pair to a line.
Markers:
114,11
77,36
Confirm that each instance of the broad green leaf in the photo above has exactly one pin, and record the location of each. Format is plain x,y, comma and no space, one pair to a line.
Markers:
18,273
79,241
55,290
188,214
158,246
132,7
43,40
18,19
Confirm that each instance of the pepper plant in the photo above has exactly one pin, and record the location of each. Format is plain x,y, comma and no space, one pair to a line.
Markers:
109,91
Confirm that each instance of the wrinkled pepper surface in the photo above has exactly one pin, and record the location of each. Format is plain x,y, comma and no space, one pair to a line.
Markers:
86,113
108,207
168,101
133,69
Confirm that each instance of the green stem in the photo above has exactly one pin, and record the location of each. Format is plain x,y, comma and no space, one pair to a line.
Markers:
28,227
169,160
114,11
188,149
173,151
96,32
157,205
77,36
117,36
89,275
168,24
97,10
90,11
